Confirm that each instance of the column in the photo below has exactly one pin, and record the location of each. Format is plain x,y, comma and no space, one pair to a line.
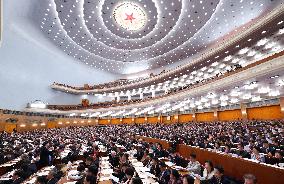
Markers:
244,111
129,97
141,95
193,116
175,119
216,114
282,106
132,120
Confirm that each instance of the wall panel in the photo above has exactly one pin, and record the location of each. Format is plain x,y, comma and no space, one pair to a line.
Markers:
207,116
51,124
165,119
184,118
104,122
9,127
115,121
140,120
174,119
127,121
24,123
152,120
230,115
269,112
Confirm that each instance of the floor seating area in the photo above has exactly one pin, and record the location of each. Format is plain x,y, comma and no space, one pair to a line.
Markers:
226,151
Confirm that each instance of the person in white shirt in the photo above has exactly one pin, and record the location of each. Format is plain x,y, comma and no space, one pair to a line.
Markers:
256,155
193,165
208,171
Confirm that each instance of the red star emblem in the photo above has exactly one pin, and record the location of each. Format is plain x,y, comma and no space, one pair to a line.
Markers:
129,17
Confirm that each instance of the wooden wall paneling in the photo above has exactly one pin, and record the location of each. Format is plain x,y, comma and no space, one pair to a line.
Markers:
244,111
230,115
104,122
140,120
265,113
206,116
9,127
152,120
127,121
51,124
115,121
184,118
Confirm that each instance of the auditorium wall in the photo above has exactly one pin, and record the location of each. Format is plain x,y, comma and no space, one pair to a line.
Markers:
183,118
269,112
153,120
116,121
104,121
206,116
230,115
140,120
127,121
24,123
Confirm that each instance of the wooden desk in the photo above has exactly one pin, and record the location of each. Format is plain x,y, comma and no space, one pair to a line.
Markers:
8,166
42,172
234,167
66,179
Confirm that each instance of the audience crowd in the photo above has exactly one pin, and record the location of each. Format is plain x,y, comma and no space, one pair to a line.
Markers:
109,84
261,141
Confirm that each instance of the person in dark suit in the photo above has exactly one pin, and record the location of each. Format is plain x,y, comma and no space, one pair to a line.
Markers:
266,148
41,180
120,173
164,174
241,152
155,168
160,152
51,179
45,155
278,158
187,179
218,177
16,178
114,159
140,153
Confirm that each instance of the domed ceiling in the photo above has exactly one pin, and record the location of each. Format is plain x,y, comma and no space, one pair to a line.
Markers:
125,37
